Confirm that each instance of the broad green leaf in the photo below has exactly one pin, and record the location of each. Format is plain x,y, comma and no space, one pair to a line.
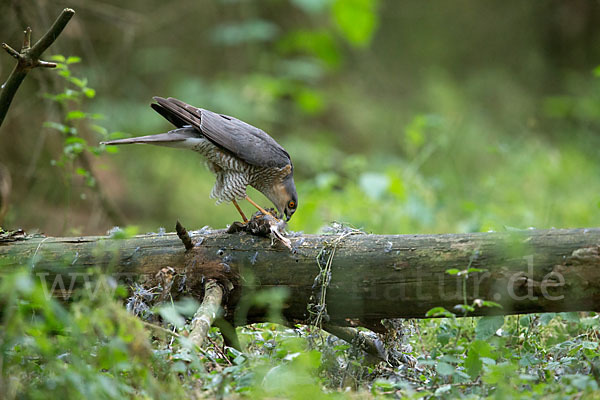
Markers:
570,316
356,19
444,369
546,318
473,364
487,326
525,320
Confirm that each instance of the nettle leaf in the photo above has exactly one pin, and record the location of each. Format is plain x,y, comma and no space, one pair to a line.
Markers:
487,326
546,318
444,369
480,352
570,316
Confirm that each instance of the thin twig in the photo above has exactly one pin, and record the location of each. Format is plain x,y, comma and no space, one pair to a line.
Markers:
52,33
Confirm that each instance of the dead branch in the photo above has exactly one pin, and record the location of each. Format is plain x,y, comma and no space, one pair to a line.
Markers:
209,310
371,277
29,58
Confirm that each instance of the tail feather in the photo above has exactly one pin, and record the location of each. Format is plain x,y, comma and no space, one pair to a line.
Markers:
169,115
177,135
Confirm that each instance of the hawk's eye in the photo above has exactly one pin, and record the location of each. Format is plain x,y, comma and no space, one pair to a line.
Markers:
291,204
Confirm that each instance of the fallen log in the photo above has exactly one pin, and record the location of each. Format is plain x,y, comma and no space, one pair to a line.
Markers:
370,277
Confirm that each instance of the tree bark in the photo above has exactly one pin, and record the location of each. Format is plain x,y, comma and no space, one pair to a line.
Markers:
371,276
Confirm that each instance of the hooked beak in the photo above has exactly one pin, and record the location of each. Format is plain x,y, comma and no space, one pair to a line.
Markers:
286,215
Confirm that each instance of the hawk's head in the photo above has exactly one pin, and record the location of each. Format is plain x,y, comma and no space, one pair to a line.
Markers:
284,197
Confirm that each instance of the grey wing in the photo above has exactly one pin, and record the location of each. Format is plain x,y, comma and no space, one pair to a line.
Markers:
243,140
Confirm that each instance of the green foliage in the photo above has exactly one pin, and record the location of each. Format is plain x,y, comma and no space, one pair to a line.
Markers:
77,125
391,130
91,348
356,19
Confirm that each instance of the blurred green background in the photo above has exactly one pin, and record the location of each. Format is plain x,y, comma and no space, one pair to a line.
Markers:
400,117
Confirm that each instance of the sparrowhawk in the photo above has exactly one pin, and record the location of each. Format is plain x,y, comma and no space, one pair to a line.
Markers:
238,153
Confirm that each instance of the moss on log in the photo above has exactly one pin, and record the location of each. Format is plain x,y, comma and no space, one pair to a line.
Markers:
371,276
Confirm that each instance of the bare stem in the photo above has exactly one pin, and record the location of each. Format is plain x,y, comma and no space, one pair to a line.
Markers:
46,64
54,31
11,51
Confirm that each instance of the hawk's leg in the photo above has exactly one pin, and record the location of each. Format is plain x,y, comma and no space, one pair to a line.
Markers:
262,210
240,211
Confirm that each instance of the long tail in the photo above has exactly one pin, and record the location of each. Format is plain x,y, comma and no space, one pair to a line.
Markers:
162,139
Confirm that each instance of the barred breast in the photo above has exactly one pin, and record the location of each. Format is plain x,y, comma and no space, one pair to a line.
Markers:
233,175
